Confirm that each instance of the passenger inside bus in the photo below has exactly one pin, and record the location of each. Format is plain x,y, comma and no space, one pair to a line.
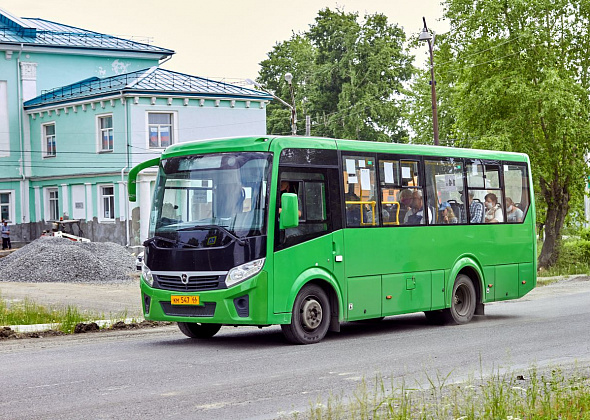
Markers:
447,215
513,213
415,215
493,209
405,199
476,208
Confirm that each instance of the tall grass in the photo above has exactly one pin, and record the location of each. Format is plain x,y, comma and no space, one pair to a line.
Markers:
27,312
551,394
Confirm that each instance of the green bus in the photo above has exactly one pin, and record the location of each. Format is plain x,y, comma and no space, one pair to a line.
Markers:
311,232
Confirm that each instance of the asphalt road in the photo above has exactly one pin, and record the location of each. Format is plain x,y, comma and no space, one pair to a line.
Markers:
248,373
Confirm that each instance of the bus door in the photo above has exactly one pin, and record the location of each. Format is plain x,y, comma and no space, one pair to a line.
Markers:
309,250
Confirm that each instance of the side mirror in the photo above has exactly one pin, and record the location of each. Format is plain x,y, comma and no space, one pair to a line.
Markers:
132,177
289,217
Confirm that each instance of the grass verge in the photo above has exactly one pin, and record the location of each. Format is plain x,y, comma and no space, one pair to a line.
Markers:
27,312
549,394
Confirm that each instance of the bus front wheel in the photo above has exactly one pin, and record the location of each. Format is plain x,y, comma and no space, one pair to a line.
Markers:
310,318
198,330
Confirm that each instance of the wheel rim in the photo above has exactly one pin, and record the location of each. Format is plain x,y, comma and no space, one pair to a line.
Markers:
311,314
462,300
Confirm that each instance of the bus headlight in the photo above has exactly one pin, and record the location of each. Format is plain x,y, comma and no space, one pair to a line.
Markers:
147,274
243,272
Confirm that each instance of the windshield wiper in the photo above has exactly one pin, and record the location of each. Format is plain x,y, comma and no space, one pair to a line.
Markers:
239,240
170,241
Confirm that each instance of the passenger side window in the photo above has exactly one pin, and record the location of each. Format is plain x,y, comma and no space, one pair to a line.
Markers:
360,186
516,187
390,181
485,198
444,184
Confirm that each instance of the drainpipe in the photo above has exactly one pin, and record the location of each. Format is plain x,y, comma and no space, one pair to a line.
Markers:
123,172
20,133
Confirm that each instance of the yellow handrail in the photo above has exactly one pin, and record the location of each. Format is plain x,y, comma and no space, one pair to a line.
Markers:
396,212
360,203
373,204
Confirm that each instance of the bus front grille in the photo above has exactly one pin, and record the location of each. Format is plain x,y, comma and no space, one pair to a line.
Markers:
194,284
208,309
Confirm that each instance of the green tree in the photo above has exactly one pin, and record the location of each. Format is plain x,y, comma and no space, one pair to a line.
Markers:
515,76
348,76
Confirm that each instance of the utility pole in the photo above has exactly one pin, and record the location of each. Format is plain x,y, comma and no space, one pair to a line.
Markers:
428,37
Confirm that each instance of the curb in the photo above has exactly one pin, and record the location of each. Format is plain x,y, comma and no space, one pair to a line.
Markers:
102,323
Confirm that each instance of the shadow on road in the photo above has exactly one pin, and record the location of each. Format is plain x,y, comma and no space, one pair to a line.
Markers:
252,337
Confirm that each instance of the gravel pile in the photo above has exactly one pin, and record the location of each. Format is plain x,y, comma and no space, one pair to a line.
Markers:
52,259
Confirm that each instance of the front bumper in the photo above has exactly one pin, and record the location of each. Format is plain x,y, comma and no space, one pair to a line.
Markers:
243,304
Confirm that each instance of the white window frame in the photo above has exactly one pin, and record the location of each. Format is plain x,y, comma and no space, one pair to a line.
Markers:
173,128
49,202
44,137
11,205
101,203
100,131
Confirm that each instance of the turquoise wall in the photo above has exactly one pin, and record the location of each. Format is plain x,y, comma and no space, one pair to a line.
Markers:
96,181
76,137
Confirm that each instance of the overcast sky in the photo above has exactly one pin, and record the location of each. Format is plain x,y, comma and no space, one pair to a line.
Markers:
223,38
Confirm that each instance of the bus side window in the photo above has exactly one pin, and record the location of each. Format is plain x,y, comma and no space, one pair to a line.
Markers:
444,185
360,183
516,184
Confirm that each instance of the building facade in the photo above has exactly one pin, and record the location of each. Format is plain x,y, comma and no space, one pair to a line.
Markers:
65,152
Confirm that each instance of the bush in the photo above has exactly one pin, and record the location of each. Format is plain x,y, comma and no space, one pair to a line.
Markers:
585,234
574,252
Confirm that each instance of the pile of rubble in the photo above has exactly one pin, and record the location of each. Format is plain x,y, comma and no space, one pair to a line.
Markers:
53,259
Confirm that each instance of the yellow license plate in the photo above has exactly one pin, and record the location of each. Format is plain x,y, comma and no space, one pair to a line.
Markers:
185,300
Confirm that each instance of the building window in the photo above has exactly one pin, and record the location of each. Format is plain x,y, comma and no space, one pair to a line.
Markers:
105,133
53,198
107,202
160,129
49,149
6,206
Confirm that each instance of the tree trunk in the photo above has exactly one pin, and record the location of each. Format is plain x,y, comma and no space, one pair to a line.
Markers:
557,197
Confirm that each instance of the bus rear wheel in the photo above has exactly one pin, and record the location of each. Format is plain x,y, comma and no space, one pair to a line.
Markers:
463,304
198,330
310,318
463,301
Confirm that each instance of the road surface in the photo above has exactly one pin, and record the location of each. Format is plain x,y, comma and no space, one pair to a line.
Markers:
249,373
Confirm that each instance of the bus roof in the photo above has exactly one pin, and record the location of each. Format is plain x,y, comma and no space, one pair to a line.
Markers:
275,143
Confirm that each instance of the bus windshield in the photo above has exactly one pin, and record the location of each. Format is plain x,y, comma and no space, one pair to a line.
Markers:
197,194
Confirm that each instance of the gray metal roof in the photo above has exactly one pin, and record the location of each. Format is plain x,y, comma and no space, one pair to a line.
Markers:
154,81
41,32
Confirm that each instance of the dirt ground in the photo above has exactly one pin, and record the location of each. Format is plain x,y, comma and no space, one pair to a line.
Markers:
99,299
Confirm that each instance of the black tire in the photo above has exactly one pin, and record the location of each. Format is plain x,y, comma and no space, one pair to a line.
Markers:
463,304
311,316
463,301
198,330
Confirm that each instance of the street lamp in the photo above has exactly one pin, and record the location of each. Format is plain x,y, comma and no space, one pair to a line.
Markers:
429,37
289,80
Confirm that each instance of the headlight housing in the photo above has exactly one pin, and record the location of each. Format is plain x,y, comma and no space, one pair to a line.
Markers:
243,272
147,274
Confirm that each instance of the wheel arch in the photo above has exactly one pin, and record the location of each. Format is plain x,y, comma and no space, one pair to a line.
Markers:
327,282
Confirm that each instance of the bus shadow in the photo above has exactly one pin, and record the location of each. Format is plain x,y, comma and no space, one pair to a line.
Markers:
246,338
